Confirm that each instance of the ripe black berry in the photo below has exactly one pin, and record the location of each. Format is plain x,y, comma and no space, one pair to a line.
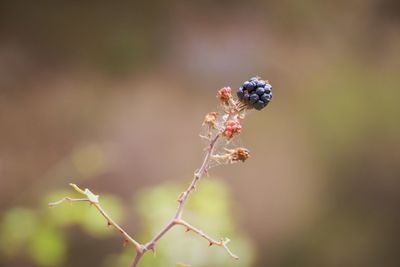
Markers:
259,105
246,97
254,98
260,91
265,98
240,93
249,86
255,93
261,83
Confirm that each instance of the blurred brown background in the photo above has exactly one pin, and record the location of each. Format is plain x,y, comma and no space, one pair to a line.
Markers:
111,95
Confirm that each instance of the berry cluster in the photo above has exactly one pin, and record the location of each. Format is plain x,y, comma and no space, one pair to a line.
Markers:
255,93
232,128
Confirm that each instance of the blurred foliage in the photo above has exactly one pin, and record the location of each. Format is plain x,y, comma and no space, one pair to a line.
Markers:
40,232
22,229
326,154
47,246
17,226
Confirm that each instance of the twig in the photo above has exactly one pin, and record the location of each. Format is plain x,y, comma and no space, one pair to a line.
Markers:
110,222
177,219
197,175
234,110
68,199
222,243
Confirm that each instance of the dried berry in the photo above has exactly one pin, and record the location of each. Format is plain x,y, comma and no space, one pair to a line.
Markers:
224,94
232,128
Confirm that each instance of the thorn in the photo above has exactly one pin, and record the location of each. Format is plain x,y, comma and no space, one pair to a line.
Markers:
152,247
210,243
108,223
180,198
125,243
187,230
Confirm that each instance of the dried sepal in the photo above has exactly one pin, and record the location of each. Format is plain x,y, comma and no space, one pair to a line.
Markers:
233,156
211,119
239,154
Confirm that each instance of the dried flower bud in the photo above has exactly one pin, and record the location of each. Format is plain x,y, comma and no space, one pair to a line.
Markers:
232,128
239,154
210,119
224,94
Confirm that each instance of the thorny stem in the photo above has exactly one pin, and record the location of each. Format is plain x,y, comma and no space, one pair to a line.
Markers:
110,222
197,175
127,237
175,220
137,258
222,243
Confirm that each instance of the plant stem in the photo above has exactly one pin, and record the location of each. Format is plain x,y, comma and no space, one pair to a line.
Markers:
181,200
175,220
197,175
110,222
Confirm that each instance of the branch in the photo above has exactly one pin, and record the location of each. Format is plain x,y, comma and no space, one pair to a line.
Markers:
177,219
197,175
222,243
227,127
94,200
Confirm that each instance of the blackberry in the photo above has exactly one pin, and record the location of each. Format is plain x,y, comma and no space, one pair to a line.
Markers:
260,91
240,93
255,93
254,98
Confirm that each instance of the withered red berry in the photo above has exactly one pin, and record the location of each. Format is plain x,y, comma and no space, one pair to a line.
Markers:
232,127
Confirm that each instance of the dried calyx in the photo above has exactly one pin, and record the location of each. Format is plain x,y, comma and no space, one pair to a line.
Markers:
239,154
211,120
233,155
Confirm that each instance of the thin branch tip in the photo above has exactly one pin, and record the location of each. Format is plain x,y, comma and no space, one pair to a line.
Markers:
93,200
222,243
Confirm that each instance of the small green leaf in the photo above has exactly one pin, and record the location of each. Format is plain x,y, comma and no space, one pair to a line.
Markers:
92,197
